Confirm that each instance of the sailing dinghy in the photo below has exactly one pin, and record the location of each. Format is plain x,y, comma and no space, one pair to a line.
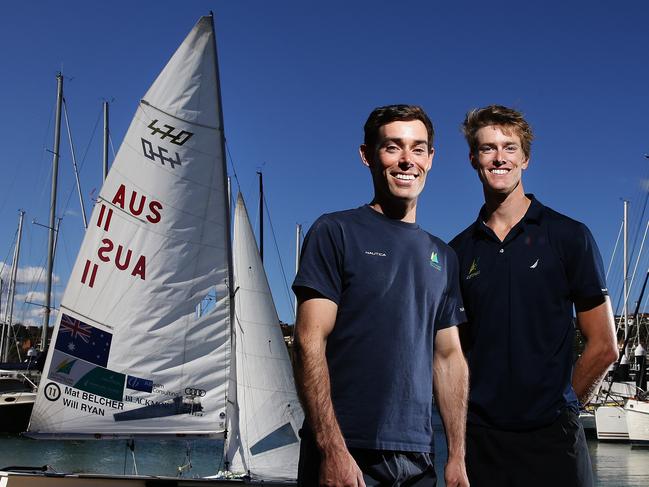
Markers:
130,357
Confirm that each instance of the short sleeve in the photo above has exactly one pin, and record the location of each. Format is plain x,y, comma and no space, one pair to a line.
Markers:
452,310
584,266
321,260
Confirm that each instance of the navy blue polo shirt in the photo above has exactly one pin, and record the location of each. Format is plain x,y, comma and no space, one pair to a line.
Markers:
395,286
519,296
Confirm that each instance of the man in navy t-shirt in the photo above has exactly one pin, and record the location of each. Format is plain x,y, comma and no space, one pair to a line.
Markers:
523,268
377,296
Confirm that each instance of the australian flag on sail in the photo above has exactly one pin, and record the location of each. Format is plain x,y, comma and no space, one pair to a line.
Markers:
83,341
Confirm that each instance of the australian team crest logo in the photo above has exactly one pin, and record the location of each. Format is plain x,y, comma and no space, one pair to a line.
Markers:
473,270
434,261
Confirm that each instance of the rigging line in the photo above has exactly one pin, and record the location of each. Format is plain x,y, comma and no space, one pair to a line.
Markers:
281,265
112,147
637,232
74,165
231,159
92,137
644,208
635,268
617,241
4,264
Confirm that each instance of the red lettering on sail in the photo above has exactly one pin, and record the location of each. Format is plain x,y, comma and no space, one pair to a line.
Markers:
136,211
136,205
92,269
139,268
121,259
122,266
154,207
120,197
103,250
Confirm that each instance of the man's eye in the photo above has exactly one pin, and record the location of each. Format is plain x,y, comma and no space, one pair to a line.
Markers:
485,149
511,148
419,150
391,148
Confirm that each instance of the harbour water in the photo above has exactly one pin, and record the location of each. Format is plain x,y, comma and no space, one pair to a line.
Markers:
615,464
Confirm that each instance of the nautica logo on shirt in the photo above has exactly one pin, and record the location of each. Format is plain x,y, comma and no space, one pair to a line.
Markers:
378,254
434,261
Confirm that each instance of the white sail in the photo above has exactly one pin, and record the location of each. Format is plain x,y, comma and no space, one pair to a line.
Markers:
129,356
262,434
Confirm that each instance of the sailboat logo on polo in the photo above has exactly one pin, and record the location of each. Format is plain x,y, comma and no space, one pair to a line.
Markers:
434,261
473,270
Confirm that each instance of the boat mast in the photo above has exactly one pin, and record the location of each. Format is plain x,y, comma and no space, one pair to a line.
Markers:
261,216
226,194
625,272
106,134
50,242
6,338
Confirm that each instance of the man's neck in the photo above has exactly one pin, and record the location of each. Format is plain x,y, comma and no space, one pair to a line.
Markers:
503,212
405,212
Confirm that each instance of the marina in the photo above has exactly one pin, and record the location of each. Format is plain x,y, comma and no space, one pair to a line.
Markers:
148,384
614,464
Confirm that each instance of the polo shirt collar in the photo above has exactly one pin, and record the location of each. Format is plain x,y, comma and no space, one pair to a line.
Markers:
533,214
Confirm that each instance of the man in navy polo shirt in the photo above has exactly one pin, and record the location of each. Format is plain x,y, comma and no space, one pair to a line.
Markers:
523,267
377,295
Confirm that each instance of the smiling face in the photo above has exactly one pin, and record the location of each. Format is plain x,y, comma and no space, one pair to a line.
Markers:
499,160
399,163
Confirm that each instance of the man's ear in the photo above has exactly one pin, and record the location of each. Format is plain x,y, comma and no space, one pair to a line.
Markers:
431,156
473,160
365,157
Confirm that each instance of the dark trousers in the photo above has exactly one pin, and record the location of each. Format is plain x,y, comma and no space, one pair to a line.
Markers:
380,467
555,455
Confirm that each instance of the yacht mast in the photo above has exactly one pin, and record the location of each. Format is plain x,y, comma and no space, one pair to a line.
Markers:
6,335
625,272
50,243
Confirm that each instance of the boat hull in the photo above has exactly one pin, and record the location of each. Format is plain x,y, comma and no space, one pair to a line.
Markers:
49,479
15,409
611,423
637,418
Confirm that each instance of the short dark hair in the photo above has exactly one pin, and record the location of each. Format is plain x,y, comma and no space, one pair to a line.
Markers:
505,117
395,113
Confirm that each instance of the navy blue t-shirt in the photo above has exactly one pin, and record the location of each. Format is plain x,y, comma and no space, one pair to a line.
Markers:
395,285
519,296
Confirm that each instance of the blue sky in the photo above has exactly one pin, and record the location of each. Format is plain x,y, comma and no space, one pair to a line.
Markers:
298,81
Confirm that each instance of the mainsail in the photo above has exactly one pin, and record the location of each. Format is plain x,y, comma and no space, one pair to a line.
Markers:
128,347
262,431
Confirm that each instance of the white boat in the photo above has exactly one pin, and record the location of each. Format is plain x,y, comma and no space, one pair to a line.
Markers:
610,417
17,396
611,423
130,356
637,417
